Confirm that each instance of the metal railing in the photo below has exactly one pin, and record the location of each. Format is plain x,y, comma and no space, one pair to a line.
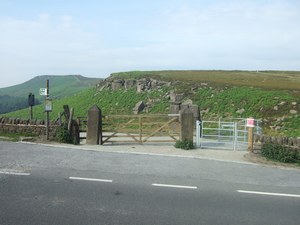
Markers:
231,134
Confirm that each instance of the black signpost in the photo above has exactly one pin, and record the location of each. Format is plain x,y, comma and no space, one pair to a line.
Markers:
30,103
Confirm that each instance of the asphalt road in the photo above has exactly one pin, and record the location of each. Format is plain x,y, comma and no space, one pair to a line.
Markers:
50,185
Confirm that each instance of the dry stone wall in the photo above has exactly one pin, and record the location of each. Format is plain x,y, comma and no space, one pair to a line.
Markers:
259,140
35,127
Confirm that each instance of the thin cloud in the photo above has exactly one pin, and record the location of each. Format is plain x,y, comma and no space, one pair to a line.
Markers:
250,35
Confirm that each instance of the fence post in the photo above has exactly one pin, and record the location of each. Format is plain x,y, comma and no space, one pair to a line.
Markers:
198,133
236,138
94,131
250,139
186,125
140,129
75,132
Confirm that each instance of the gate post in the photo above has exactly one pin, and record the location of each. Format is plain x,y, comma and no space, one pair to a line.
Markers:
198,133
186,125
250,139
94,126
236,138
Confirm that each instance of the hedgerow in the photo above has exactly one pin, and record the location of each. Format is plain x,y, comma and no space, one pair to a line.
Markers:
280,153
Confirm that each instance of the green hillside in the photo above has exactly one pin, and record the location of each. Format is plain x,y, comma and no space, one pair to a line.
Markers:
60,86
110,102
15,97
217,93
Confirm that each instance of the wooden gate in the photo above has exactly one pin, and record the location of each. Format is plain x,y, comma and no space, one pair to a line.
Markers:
140,128
136,128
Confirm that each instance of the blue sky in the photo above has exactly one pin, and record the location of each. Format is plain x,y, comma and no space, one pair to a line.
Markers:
96,38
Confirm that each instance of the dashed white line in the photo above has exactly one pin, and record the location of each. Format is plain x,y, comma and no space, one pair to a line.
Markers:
91,179
14,173
268,193
174,186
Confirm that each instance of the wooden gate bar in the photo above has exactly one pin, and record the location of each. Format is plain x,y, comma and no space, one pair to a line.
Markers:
114,134
159,129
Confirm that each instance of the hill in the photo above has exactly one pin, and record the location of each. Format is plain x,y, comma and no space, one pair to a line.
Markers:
278,80
272,96
16,97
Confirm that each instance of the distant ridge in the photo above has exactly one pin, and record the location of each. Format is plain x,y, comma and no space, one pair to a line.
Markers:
15,97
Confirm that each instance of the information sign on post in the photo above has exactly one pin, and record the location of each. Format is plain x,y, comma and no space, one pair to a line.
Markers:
48,105
250,124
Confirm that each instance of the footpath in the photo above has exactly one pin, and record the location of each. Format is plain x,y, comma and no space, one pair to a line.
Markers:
168,150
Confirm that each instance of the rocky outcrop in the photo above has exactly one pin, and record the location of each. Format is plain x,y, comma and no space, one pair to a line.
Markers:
141,85
117,84
129,84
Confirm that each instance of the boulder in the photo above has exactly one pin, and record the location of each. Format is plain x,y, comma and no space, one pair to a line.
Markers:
139,107
240,111
292,111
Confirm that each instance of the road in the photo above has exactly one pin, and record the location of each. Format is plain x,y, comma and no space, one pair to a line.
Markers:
51,185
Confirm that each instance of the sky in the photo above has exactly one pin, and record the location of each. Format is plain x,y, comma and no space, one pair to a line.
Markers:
95,38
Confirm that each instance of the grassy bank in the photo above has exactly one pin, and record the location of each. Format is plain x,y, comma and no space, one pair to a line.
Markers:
269,96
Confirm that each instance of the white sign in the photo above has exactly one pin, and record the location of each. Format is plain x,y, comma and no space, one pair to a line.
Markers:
250,122
43,91
48,105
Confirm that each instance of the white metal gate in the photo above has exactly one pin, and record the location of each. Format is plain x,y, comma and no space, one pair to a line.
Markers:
230,134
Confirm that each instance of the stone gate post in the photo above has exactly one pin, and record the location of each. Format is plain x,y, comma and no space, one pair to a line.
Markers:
94,126
186,125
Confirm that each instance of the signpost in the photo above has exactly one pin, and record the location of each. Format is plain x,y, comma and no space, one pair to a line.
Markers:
250,124
48,105
47,112
30,103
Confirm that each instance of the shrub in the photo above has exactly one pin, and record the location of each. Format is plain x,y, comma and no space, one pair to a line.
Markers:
63,135
186,145
280,153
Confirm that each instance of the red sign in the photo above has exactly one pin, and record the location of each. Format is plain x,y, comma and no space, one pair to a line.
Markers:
250,122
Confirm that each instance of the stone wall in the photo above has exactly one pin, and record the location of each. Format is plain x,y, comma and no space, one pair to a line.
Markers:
35,127
176,105
259,140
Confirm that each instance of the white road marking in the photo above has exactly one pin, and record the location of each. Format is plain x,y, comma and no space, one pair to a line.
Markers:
90,179
269,193
14,173
174,186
